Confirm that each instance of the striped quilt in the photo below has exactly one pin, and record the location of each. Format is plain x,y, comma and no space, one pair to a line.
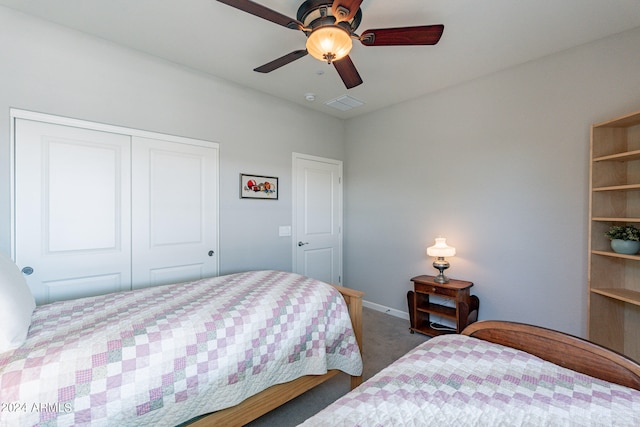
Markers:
160,356
455,380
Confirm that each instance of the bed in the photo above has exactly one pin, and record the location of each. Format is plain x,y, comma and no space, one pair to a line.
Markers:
496,374
166,355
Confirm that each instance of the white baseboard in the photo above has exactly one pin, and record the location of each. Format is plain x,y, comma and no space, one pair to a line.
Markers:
384,309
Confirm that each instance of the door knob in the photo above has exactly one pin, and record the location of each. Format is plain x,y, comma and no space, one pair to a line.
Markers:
211,253
302,243
27,271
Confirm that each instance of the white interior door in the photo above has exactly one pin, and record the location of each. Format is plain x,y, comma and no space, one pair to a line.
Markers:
72,205
174,212
317,204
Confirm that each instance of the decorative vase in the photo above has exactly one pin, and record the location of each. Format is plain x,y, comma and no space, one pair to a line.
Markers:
627,247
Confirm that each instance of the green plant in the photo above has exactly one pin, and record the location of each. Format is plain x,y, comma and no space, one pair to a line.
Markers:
623,232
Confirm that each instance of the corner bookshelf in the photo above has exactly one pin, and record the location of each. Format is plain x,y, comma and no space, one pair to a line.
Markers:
614,279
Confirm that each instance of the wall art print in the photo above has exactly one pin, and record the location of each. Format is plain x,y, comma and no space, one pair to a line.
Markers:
258,187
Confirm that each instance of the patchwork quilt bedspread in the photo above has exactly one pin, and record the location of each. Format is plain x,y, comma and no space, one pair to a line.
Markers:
160,356
455,380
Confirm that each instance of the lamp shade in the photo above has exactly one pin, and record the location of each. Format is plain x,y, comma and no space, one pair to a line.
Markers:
329,43
441,249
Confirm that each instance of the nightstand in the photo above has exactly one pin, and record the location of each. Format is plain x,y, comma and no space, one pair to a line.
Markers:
464,312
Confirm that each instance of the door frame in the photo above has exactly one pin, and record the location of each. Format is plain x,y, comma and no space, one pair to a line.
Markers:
15,113
296,205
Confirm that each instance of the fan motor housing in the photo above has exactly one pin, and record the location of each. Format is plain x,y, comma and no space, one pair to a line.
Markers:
317,13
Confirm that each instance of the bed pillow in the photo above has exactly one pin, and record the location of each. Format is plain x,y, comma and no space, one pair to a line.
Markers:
16,305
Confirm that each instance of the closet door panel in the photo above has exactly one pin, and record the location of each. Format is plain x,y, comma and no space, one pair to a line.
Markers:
174,211
72,210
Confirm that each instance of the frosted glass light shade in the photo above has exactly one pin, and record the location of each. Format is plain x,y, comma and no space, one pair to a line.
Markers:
441,249
329,43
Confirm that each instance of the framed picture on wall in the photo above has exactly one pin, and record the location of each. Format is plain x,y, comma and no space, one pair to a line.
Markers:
258,187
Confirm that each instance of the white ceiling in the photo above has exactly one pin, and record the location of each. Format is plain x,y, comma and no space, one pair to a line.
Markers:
480,37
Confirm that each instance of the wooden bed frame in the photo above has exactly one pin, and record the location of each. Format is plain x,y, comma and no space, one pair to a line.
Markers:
269,399
562,349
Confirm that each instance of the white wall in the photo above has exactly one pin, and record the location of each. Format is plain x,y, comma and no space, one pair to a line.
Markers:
53,70
499,166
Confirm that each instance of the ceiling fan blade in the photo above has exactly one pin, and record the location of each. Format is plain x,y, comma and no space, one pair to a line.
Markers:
404,36
347,72
264,13
343,10
283,60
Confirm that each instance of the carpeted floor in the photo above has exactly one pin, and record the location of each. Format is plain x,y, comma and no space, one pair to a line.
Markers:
385,339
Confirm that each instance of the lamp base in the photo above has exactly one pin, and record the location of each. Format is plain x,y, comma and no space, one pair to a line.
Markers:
441,278
441,264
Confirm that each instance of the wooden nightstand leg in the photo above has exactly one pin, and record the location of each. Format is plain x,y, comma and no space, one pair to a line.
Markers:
474,308
463,315
411,296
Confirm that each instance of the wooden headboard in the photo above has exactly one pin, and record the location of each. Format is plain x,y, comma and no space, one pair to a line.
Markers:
562,349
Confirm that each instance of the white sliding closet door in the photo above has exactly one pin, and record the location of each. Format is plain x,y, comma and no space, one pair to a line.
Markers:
174,209
72,210
100,208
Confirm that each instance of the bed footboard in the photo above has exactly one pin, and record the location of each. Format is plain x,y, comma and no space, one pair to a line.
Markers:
562,349
353,298
261,403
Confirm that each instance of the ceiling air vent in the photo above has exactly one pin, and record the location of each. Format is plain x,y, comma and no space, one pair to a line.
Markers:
344,103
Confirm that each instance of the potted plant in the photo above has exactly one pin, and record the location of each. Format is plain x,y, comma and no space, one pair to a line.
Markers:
625,239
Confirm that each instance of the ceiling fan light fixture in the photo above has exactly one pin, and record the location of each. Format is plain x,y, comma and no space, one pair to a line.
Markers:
329,43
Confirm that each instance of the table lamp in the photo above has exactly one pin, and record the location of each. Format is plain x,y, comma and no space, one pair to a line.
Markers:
439,251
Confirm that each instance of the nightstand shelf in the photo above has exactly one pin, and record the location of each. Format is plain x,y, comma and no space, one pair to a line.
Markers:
438,310
464,312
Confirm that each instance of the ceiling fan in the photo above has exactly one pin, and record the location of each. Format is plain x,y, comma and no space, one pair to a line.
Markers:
330,27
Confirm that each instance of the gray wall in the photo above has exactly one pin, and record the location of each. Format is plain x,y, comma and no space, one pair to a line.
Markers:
498,166
49,69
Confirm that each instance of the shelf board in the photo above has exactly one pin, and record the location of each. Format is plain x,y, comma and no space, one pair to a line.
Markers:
626,295
438,310
621,157
625,121
616,255
426,329
625,187
614,219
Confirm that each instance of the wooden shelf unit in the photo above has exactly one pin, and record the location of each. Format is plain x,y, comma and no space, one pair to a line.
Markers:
614,279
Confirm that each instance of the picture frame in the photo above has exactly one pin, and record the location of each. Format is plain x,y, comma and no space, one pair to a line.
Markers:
258,187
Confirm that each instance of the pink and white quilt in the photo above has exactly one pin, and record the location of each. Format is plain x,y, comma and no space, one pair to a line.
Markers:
161,356
455,380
